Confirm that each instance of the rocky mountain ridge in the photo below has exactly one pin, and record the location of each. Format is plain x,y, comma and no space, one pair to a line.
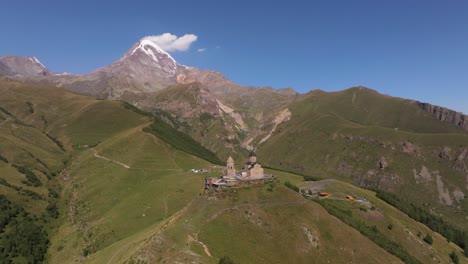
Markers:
17,66
444,114
143,77
149,78
144,68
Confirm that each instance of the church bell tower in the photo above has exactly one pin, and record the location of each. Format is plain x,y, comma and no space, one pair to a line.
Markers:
230,170
252,157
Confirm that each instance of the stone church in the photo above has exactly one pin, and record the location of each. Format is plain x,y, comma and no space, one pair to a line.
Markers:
251,173
252,168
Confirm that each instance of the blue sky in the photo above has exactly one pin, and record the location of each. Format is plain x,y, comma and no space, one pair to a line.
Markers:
411,49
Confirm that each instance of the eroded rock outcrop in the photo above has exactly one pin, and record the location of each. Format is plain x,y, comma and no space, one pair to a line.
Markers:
409,147
461,160
370,140
444,193
344,168
378,179
445,153
312,236
458,195
382,163
424,176
444,114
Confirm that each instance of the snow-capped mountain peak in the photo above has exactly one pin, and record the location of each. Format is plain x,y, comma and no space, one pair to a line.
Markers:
149,55
36,61
149,47
145,67
17,66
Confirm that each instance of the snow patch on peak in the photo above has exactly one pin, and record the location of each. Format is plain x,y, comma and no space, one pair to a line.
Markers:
62,73
143,47
36,61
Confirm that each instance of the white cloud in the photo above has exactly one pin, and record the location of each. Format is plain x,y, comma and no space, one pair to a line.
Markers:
170,42
201,50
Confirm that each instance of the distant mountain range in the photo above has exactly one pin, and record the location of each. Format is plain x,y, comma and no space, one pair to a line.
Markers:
146,76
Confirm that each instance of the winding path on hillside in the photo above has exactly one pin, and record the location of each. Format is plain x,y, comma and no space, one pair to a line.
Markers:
124,134
111,160
125,248
205,247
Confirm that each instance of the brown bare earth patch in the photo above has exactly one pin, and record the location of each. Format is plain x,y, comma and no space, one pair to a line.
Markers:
317,186
372,215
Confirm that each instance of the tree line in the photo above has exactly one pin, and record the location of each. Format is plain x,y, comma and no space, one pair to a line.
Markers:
371,232
423,216
22,236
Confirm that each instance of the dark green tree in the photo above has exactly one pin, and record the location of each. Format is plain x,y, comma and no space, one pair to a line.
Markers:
428,239
225,260
454,257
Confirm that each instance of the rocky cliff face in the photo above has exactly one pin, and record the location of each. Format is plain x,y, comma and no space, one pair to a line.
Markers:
444,114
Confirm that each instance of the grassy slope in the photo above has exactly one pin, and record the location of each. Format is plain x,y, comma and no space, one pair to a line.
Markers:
99,197
127,194
404,230
314,143
23,142
251,226
368,107
257,233
254,225
114,202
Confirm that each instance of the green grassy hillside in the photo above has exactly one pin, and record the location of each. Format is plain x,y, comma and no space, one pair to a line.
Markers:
91,161
273,224
130,182
102,182
375,141
382,222
367,107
